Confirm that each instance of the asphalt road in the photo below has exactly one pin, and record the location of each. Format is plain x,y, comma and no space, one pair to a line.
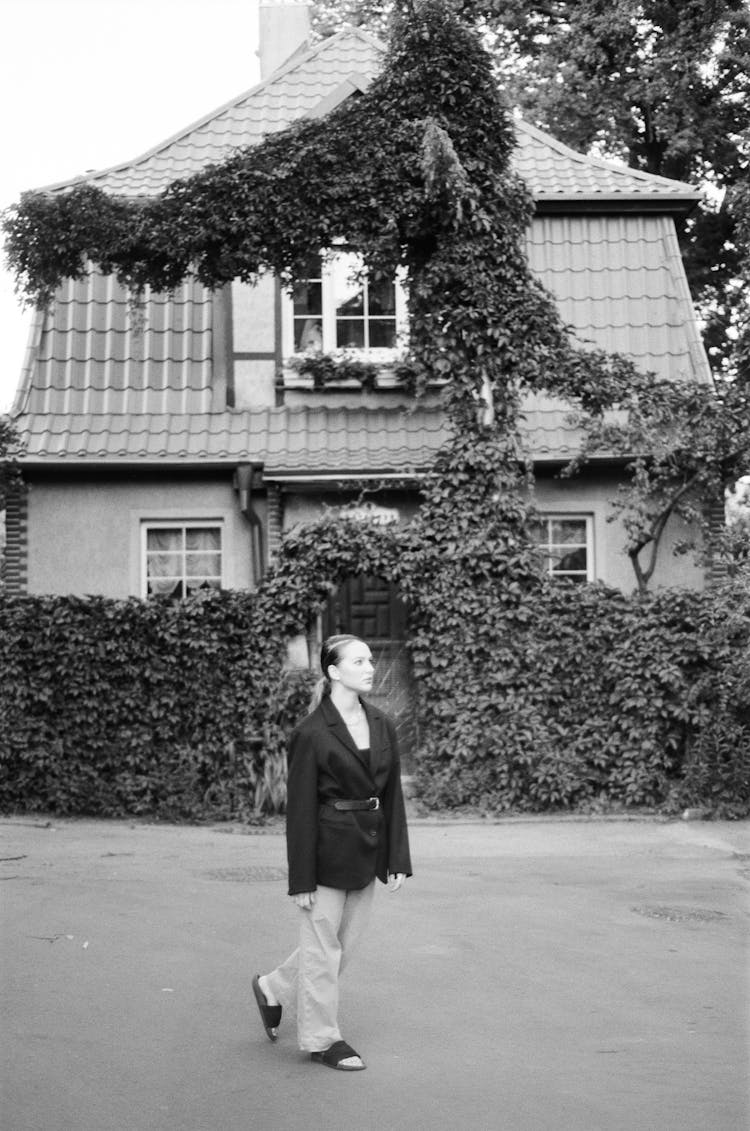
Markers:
537,975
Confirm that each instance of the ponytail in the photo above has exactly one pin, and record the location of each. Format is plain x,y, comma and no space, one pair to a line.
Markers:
329,654
321,688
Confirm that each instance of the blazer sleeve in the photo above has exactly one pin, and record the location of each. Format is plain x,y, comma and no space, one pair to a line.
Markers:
301,812
394,810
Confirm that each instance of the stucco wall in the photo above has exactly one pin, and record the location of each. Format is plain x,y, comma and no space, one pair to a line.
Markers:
591,494
84,535
306,506
254,337
586,495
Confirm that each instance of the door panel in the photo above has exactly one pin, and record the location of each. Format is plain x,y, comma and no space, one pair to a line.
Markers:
370,607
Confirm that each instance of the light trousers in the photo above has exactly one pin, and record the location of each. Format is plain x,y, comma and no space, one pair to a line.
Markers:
328,935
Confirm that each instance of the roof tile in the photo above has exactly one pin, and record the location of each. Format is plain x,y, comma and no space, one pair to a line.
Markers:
551,170
303,440
96,386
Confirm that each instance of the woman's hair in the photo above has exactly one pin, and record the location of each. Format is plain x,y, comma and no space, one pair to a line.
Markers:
330,653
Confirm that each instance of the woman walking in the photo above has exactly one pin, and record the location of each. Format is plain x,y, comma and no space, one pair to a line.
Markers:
346,825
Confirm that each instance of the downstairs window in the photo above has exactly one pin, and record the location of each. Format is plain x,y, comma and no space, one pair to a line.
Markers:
181,558
565,542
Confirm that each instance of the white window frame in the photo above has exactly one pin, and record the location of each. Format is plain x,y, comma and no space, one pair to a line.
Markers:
548,517
180,524
378,355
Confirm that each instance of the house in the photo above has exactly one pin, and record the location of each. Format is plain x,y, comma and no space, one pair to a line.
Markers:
169,453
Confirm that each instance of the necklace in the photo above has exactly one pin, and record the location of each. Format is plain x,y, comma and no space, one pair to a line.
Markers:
352,721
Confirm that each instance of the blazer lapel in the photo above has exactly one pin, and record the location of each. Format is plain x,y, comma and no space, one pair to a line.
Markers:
375,723
341,730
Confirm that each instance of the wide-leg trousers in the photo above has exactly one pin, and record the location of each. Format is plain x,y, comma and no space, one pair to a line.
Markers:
328,936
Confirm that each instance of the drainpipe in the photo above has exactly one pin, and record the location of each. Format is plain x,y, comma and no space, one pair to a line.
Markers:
248,477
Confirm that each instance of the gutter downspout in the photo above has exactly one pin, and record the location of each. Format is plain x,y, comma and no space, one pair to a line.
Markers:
248,477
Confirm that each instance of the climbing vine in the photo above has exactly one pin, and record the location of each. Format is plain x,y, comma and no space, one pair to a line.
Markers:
414,174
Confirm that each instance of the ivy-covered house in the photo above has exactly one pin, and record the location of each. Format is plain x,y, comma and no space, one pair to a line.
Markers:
169,446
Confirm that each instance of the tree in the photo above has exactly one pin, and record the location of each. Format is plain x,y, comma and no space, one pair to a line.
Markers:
740,205
687,445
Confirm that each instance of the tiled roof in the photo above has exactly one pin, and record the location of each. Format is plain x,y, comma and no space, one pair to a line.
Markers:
618,282
96,385
90,355
552,171
287,441
292,91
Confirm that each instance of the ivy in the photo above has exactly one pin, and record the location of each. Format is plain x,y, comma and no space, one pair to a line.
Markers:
531,696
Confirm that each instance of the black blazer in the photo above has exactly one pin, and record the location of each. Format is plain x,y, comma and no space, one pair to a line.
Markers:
343,849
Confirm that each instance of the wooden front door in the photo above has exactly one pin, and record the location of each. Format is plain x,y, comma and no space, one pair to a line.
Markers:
371,608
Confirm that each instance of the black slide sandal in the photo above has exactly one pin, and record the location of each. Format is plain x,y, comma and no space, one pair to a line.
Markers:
270,1014
333,1057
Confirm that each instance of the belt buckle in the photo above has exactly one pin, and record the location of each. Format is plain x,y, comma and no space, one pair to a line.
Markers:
374,802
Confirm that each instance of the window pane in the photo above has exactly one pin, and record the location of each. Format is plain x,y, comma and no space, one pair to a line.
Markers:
164,539
382,332
381,298
350,333
308,335
196,583
202,538
164,565
348,291
574,560
165,587
202,565
568,530
308,298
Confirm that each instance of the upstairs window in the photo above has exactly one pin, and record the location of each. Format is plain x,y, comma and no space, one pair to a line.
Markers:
338,308
565,543
179,559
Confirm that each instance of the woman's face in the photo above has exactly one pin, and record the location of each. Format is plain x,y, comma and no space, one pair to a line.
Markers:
355,669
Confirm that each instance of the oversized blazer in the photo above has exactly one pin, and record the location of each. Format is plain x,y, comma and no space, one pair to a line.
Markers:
343,849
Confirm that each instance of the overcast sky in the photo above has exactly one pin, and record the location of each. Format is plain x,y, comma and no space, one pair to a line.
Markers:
85,84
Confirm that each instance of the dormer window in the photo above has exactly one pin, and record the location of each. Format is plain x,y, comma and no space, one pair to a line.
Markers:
337,307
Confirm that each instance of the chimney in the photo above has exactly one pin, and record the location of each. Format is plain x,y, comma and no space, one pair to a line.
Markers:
284,27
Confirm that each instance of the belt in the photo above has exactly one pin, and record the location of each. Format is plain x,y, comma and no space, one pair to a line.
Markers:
369,803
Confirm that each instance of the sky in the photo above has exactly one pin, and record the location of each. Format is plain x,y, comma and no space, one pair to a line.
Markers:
85,84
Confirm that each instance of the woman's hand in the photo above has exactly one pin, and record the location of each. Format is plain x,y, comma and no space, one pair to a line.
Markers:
304,899
395,880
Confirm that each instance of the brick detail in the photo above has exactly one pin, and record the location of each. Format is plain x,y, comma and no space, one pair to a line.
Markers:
15,565
275,520
716,569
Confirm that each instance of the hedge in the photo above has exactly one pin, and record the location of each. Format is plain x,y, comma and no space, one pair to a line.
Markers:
599,700
132,707
596,700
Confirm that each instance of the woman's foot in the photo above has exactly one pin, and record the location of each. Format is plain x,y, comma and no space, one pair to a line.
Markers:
340,1055
265,989
270,1012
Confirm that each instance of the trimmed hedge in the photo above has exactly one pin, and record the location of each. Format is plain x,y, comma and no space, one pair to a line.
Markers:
597,700
132,707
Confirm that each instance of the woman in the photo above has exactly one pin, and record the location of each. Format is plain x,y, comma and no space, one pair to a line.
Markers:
346,825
